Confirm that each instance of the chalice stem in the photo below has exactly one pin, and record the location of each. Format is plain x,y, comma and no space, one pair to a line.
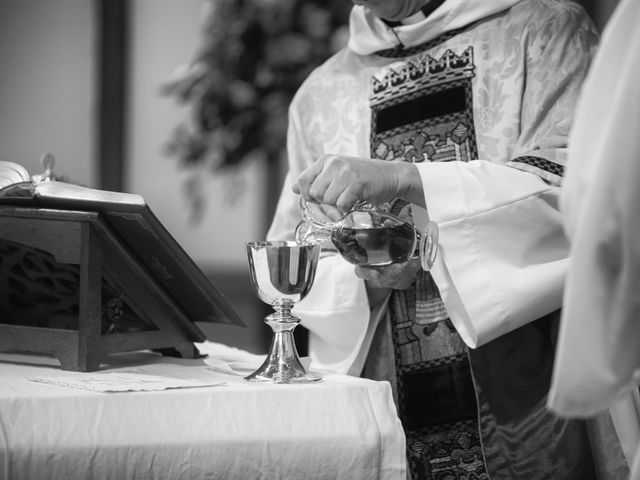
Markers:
282,364
283,348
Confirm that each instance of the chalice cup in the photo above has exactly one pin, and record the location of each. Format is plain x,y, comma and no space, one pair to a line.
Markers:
282,274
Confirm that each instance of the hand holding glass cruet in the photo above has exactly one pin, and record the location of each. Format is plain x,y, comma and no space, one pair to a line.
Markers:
368,235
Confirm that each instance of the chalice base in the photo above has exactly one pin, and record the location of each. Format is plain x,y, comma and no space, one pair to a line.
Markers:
275,374
282,364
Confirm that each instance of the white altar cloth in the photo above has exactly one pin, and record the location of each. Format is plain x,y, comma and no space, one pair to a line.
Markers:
339,428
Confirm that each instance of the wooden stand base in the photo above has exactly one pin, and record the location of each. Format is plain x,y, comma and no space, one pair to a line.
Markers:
69,288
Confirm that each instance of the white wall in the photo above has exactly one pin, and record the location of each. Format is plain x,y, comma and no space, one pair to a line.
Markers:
165,35
48,102
47,70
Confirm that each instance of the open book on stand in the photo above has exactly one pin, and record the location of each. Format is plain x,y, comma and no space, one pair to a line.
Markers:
133,222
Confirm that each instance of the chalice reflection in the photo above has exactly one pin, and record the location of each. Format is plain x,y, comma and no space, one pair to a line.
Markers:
282,274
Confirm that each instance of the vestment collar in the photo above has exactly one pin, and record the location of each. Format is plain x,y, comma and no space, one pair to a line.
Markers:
369,34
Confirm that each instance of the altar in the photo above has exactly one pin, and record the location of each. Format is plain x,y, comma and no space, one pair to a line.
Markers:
201,421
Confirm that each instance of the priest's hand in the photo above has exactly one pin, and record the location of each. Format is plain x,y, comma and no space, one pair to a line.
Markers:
398,276
343,181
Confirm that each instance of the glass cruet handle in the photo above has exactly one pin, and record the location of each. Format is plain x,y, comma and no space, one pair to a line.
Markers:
428,247
312,229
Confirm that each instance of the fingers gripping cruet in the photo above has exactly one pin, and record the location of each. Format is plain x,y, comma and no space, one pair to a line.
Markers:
368,235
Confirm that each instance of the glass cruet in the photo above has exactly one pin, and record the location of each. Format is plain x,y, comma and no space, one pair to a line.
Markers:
368,235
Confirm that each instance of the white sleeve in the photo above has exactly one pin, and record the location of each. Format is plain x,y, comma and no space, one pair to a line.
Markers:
503,254
598,355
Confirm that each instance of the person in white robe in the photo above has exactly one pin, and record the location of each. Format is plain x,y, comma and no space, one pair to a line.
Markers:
598,358
458,112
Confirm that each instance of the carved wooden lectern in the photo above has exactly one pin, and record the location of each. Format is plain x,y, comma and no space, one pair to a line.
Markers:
83,278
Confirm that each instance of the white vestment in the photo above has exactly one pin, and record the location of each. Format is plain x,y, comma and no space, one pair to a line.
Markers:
598,358
503,254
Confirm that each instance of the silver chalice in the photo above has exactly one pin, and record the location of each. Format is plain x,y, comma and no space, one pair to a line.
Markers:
282,274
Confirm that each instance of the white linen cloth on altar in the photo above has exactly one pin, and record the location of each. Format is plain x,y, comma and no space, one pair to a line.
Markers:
339,428
598,358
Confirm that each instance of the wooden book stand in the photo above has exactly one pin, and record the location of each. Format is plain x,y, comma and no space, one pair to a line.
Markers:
71,287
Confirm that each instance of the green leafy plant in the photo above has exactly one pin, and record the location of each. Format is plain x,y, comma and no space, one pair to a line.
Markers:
254,56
